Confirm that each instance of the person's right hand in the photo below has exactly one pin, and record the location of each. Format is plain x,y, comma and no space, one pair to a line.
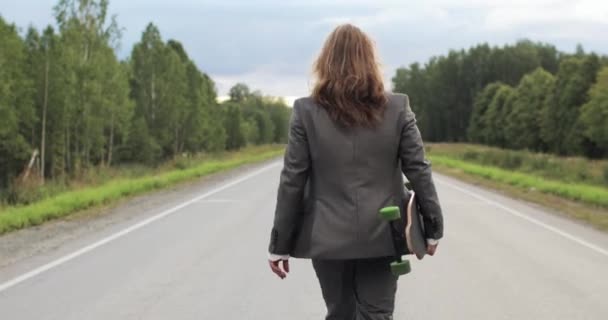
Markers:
431,249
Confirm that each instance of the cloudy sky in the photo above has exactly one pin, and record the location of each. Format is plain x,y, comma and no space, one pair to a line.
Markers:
270,44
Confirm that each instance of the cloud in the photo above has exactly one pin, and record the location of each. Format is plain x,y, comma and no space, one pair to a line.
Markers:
271,44
266,79
549,14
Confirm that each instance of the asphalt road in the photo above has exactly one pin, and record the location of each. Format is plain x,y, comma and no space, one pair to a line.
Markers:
204,257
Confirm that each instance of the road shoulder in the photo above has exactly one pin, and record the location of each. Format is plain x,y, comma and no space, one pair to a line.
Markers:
32,245
589,215
544,217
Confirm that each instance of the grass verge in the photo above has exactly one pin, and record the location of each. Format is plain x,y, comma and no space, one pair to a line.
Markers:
584,202
593,195
13,218
551,167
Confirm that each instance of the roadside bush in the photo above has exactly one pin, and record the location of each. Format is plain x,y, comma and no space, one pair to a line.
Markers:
181,163
512,160
30,190
538,163
470,155
567,169
581,171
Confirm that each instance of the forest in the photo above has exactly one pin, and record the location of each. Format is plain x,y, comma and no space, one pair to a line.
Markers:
527,96
68,104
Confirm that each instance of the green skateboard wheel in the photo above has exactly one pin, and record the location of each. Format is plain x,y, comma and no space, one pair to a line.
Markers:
400,268
390,213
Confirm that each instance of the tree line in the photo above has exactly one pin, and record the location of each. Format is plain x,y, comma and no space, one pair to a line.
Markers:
65,95
522,96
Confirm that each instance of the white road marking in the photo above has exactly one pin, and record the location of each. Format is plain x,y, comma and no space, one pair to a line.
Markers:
6,285
528,218
218,201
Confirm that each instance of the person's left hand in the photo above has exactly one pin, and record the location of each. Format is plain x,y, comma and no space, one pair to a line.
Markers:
275,266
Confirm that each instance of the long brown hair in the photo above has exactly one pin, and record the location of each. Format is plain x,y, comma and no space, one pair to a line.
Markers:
348,79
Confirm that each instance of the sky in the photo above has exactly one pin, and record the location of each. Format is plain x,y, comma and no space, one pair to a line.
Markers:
271,44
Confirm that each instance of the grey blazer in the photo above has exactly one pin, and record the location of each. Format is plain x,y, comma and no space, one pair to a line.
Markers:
335,180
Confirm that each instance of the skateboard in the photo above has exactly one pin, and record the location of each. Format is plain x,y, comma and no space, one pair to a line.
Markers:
411,238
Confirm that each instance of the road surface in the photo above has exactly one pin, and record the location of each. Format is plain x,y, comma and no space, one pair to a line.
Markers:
202,256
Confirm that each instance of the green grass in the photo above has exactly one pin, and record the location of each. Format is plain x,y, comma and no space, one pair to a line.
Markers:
13,218
589,194
551,167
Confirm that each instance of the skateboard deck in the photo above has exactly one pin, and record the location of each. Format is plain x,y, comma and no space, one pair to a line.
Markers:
414,228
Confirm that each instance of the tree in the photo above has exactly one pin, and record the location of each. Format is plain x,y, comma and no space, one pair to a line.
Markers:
117,103
233,122
523,122
47,42
159,88
199,98
495,117
140,146
256,109
44,71
594,114
477,127
443,92
266,127
250,130
88,39
15,106
280,115
174,103
239,92
413,82
215,133
64,92
560,129
511,63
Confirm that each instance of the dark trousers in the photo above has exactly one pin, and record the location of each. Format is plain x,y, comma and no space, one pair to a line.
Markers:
362,289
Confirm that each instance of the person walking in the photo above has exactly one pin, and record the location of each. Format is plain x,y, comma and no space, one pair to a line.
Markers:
348,145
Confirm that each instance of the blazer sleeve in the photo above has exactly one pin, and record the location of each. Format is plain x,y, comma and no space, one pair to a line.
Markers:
291,186
417,169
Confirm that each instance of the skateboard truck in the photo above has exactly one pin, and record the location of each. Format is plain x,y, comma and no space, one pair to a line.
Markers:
392,214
